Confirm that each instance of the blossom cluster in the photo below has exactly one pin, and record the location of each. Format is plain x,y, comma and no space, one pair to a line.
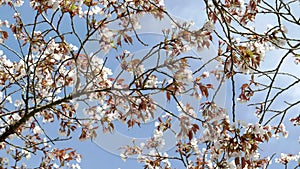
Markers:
56,76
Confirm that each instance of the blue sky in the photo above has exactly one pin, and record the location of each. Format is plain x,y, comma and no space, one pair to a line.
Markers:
95,156
98,155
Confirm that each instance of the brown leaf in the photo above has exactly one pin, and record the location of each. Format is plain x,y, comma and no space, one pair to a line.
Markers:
130,123
237,161
243,162
112,125
168,96
209,86
127,39
4,35
119,43
190,134
244,86
195,128
203,90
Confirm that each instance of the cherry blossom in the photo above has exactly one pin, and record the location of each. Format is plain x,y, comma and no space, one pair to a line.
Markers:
58,70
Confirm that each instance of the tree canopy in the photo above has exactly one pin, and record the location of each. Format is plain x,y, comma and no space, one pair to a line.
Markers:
218,92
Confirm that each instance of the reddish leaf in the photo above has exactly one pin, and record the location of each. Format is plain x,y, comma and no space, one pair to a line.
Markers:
4,35
119,43
112,125
127,39
195,128
243,162
203,90
244,86
237,161
190,134
168,96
